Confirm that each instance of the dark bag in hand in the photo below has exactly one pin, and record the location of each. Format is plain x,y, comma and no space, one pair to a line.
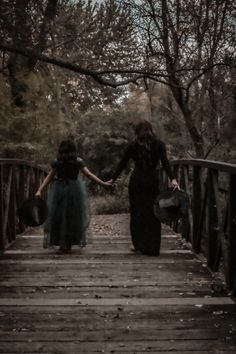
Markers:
171,205
33,212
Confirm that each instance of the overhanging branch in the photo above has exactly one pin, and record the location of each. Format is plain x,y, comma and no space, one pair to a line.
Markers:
98,75
136,75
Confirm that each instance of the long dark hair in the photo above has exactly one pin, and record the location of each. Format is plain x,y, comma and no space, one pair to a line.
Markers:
144,138
144,130
67,151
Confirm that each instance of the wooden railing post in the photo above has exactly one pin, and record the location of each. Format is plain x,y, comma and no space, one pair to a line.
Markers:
12,208
232,233
212,220
184,183
1,207
176,225
196,207
7,204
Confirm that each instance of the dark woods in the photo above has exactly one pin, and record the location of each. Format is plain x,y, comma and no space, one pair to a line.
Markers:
176,58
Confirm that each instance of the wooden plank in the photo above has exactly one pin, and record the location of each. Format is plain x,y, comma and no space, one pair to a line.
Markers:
99,237
28,322
118,302
168,244
117,334
85,255
66,267
92,251
95,260
139,352
142,352
151,346
99,282
68,292
103,300
167,312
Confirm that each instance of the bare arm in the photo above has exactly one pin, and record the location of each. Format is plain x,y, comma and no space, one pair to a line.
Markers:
166,165
94,178
45,183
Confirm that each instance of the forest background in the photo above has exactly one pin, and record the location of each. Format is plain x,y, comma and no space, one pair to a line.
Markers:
89,69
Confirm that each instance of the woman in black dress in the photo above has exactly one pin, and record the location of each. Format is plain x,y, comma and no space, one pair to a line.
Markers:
146,151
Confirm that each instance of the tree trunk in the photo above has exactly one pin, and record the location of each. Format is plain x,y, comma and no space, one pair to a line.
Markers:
194,133
20,66
17,68
196,136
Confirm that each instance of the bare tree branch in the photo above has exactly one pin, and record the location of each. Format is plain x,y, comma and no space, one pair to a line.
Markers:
211,148
96,75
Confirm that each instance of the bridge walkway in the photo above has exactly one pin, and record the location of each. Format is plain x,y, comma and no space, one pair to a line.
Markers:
105,299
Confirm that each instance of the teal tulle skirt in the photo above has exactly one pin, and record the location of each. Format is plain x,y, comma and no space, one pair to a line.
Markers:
69,215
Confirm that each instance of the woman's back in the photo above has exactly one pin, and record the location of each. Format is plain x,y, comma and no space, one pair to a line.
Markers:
146,154
68,169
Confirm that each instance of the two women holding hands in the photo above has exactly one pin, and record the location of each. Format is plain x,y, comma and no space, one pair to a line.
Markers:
68,210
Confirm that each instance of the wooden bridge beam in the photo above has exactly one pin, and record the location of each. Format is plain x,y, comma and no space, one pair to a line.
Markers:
232,234
196,207
212,221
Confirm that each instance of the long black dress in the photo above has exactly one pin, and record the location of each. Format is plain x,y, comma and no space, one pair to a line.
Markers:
145,228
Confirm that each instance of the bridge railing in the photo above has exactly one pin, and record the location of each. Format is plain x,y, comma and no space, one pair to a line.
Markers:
19,181
210,225
211,222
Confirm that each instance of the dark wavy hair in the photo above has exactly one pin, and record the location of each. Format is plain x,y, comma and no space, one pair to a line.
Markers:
144,138
67,150
143,129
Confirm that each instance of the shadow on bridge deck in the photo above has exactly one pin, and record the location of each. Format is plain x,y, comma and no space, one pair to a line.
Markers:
104,299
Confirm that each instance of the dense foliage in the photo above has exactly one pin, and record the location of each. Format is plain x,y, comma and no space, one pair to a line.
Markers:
178,57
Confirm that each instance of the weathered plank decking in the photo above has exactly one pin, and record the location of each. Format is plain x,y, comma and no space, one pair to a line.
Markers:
104,299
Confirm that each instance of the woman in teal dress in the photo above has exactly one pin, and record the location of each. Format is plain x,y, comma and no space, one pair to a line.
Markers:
67,200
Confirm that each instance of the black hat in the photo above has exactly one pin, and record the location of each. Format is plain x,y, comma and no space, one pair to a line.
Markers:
171,204
33,212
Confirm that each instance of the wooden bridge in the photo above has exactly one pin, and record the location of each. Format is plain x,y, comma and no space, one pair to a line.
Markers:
104,298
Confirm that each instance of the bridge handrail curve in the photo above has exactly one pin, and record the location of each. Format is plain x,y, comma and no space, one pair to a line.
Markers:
215,165
4,161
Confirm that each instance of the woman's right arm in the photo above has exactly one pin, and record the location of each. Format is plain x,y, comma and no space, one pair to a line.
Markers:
121,166
45,183
93,177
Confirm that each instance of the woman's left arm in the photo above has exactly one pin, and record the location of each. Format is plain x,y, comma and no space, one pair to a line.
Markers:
45,183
